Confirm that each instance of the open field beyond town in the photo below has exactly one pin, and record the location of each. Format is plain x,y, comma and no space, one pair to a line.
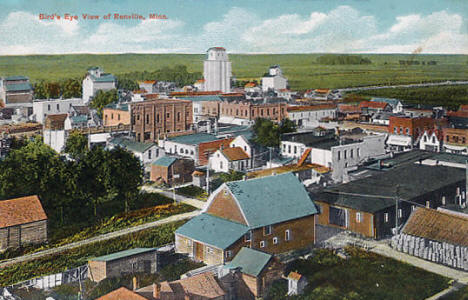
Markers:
301,69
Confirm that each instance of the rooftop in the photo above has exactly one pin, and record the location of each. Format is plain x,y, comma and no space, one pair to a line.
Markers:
16,87
310,107
164,161
117,106
201,98
250,261
122,294
193,139
284,195
18,77
21,211
214,231
103,78
123,254
131,145
438,226
201,286
235,153
287,169
55,121
391,101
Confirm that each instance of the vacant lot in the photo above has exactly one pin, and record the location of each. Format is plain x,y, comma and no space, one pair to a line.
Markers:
362,276
301,69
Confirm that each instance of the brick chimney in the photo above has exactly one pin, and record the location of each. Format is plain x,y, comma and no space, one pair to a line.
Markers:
135,283
156,290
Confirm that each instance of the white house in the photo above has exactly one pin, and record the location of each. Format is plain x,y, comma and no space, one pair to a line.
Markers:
310,115
146,152
44,107
397,106
217,70
54,133
242,142
431,140
95,81
186,145
274,79
232,158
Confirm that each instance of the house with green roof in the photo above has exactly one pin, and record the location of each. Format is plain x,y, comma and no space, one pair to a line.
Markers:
273,214
146,152
97,80
130,261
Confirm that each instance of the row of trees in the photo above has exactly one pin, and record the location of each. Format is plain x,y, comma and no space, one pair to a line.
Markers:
342,59
69,88
94,183
177,74
412,62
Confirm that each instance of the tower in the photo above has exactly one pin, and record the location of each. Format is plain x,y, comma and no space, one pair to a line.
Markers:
217,70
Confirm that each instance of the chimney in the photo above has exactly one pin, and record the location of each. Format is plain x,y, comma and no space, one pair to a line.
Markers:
156,290
135,283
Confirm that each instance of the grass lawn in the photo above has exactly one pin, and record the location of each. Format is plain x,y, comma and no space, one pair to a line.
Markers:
69,234
52,264
362,276
193,192
300,69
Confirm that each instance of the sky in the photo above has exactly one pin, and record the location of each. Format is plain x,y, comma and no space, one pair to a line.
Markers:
241,26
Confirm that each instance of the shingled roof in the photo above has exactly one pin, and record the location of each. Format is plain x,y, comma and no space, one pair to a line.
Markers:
235,153
21,211
122,294
438,226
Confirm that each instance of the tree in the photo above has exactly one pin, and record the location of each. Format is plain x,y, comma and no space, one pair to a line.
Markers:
127,84
268,133
76,145
103,98
52,90
40,90
71,88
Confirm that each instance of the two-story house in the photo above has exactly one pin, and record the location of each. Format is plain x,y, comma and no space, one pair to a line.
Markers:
274,214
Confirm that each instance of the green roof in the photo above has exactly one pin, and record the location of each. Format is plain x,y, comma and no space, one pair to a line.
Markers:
131,145
272,199
201,98
103,78
449,157
20,77
119,106
123,254
12,87
193,139
251,262
214,231
80,119
165,161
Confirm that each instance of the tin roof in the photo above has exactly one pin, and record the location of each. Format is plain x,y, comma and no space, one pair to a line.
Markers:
123,254
250,261
193,139
164,161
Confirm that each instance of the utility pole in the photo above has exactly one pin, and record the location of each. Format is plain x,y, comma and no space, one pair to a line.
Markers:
397,197
208,178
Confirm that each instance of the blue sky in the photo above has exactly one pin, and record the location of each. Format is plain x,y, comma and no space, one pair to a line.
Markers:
272,26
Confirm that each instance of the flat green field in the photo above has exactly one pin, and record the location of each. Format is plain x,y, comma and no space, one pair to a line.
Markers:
300,69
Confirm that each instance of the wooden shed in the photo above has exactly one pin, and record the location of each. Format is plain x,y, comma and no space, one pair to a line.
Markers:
22,222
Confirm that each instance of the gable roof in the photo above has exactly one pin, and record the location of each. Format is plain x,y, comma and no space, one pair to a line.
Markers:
252,262
273,199
295,276
390,101
55,122
122,294
203,286
193,139
438,226
21,211
234,153
18,77
214,231
132,145
371,104
123,254
164,161
103,78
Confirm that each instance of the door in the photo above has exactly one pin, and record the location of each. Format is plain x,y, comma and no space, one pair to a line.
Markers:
198,251
337,216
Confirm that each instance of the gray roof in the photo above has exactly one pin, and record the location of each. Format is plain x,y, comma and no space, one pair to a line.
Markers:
201,98
119,106
193,139
132,145
412,179
272,199
19,77
214,231
164,161
306,138
123,254
13,87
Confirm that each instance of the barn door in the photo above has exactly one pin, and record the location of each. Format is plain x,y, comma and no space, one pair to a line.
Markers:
337,216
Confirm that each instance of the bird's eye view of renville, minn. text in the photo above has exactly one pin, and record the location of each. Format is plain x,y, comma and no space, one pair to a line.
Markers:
234,150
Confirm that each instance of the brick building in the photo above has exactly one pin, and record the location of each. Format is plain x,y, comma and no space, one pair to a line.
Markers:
137,260
251,111
172,170
22,222
409,126
272,214
455,140
154,119
116,114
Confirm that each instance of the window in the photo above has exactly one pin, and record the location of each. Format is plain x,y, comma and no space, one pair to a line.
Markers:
413,207
48,107
167,115
118,117
295,149
149,154
358,217
209,250
189,243
385,217
58,106
275,240
287,235
178,116
147,119
358,152
339,155
267,230
400,213
289,148
344,154
351,153
395,129
433,139
262,244
228,254
428,204
248,236
458,191
112,116
407,131
220,164
443,200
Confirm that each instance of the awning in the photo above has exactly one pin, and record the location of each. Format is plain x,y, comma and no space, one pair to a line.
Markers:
455,148
399,140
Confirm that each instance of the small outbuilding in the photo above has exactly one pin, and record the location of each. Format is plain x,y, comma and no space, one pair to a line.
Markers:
172,170
22,222
131,261
296,283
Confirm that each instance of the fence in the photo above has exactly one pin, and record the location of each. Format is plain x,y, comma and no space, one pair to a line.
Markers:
50,281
